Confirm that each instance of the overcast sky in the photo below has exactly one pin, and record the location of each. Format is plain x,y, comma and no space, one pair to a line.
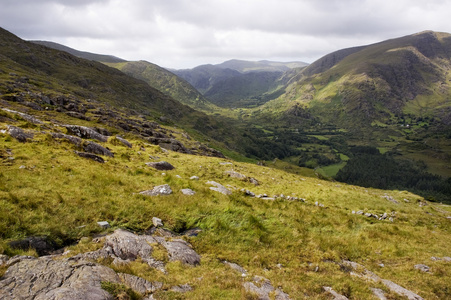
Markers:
186,33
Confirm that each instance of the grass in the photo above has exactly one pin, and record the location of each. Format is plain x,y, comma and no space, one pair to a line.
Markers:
57,193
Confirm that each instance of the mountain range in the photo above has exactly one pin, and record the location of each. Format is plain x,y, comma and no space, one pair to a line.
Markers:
120,180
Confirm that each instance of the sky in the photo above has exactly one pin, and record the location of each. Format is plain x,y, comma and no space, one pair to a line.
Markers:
186,33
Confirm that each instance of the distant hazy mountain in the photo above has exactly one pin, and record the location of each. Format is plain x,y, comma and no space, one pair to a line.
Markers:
81,54
166,82
238,82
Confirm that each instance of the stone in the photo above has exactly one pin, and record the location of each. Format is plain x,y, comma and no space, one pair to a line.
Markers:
180,250
422,268
124,141
95,148
24,116
157,222
164,189
219,188
280,295
86,133
237,175
390,198
236,267
360,212
259,286
161,165
42,244
104,224
188,192
183,288
90,156
194,178
254,181
379,293
19,134
72,139
336,295
139,284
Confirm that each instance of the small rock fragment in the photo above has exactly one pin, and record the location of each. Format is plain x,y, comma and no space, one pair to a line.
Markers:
157,222
104,224
422,268
188,192
164,189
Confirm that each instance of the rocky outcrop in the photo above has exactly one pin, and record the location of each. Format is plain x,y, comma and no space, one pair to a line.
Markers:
90,156
361,272
161,165
219,188
85,133
19,134
336,295
164,189
180,250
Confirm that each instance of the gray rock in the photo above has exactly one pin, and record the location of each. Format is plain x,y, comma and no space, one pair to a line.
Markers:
161,165
19,134
72,139
139,284
422,268
194,178
24,116
253,181
188,192
95,148
42,244
3,259
180,250
236,267
379,293
164,189
124,141
280,295
59,279
90,156
104,224
390,198
336,295
86,133
360,212
157,222
259,286
183,288
219,188
237,175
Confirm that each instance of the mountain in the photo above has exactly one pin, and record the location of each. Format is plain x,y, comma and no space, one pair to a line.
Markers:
103,195
81,54
239,83
166,82
244,66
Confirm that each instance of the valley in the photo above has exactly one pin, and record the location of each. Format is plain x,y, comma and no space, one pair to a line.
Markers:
326,181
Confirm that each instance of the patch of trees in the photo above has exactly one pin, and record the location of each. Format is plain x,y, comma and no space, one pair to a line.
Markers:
368,168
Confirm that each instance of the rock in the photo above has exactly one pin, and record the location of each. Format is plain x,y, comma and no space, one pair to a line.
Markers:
157,222
253,181
379,293
161,165
169,144
104,224
219,188
422,267
188,192
280,295
90,156
42,244
225,163
182,288
361,272
248,193
72,139
236,267
86,133
390,198
164,189
336,295
180,250
19,134
59,279
360,212
237,175
3,259
139,284
194,178
447,258
192,232
24,116
259,286
124,141
95,148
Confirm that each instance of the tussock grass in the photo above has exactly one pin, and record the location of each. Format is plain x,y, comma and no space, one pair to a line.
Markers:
297,245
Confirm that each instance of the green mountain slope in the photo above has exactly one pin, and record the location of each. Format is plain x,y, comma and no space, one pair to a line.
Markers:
165,82
82,54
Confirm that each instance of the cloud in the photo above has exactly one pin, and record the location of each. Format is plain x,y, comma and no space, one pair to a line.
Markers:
183,33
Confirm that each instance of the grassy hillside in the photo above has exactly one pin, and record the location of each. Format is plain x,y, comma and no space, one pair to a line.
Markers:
166,82
298,244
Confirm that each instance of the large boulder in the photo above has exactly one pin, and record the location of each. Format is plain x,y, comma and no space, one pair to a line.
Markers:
86,133
161,165
19,134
